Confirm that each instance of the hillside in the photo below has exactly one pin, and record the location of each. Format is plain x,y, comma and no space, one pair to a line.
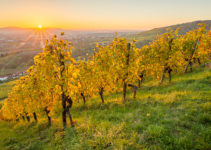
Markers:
171,116
144,38
5,89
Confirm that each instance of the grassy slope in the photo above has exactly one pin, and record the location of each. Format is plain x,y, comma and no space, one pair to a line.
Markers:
171,116
5,88
144,38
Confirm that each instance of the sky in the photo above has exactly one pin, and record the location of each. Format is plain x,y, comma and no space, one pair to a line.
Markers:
102,14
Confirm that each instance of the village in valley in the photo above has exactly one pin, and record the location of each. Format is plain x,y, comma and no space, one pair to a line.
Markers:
9,77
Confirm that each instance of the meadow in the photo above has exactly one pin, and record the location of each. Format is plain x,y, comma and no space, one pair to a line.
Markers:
174,115
5,88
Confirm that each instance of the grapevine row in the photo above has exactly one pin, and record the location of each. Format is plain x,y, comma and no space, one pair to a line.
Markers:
56,79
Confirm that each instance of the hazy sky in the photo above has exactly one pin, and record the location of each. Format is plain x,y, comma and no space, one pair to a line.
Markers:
102,14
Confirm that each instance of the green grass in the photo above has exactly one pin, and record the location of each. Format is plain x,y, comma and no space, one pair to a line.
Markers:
172,116
5,88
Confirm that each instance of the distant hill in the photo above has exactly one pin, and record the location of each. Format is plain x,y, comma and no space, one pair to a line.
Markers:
145,37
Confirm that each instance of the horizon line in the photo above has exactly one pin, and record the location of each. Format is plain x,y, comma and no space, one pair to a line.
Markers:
129,29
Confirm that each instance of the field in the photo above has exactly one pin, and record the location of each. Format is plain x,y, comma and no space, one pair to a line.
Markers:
170,116
5,88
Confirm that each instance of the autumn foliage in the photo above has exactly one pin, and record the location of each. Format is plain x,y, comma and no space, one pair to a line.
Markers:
56,79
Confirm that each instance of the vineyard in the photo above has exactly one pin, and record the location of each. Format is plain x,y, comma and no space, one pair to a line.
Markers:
119,76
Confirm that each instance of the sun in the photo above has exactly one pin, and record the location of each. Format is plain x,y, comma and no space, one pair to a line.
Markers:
39,26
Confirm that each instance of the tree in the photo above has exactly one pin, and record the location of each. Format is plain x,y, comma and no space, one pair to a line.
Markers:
85,80
102,67
190,46
56,65
124,64
164,55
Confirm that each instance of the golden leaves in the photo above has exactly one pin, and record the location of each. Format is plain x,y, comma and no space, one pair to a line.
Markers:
56,72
